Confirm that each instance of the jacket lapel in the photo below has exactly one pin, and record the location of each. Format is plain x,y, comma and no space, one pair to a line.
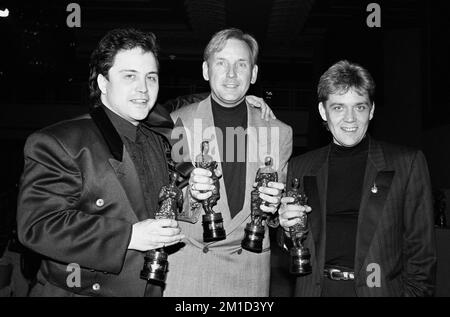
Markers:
253,163
121,163
204,117
315,187
198,128
159,121
376,186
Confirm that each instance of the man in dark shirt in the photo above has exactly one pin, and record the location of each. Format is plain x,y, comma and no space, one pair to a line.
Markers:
239,140
371,225
89,188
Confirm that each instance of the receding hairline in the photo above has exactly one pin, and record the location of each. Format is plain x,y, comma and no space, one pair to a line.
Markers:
220,39
225,42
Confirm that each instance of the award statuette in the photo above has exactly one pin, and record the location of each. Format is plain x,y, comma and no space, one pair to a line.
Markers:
300,256
170,200
255,229
212,221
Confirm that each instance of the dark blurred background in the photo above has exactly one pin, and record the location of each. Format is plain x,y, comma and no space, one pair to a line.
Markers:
44,63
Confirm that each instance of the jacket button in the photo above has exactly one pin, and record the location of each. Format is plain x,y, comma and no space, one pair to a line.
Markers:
100,202
96,287
239,251
205,249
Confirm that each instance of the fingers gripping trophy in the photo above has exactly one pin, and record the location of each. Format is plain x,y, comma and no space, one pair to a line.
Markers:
213,229
170,201
300,256
255,229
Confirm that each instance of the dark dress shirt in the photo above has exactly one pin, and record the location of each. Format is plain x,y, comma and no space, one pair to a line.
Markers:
147,151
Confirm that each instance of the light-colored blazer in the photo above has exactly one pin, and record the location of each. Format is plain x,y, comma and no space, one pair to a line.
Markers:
223,268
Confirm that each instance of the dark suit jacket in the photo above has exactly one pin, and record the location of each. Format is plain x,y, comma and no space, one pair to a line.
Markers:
79,197
395,224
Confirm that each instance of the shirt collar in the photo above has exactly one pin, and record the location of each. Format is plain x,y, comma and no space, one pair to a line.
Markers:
123,127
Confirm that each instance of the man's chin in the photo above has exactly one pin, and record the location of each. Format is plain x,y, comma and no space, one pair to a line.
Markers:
229,101
351,143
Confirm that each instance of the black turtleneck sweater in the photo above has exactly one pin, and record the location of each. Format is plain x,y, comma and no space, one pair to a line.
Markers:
346,170
234,153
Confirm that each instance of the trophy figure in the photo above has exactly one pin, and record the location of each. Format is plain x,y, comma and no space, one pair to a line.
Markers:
170,200
213,229
255,229
300,255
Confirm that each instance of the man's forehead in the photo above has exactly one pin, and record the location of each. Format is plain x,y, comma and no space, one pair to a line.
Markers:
349,94
135,58
235,47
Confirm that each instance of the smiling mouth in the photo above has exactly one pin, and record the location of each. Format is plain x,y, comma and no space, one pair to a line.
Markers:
140,101
231,86
349,129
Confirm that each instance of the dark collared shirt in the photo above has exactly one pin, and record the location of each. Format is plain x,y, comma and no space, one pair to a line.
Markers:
146,149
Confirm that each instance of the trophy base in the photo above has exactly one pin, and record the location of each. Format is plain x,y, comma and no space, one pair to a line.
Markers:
155,266
253,238
213,227
300,261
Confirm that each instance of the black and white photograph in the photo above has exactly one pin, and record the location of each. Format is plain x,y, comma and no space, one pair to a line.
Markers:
225,154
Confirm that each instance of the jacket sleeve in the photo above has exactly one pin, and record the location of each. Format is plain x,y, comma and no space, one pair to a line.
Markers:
419,248
286,152
49,217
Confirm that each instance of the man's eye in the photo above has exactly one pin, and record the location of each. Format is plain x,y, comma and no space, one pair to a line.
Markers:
153,78
242,65
361,108
337,108
129,76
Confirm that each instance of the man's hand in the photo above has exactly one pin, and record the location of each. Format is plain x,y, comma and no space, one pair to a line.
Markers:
266,112
272,195
154,233
289,215
201,184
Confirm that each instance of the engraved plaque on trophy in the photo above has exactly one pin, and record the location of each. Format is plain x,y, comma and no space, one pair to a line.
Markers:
255,229
300,256
213,229
170,201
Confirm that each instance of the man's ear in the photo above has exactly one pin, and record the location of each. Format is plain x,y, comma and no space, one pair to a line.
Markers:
101,82
372,111
205,70
254,74
322,111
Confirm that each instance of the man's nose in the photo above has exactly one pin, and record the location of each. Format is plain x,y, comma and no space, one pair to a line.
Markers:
231,71
349,115
142,85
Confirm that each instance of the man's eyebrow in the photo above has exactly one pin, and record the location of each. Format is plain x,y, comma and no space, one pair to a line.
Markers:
135,71
240,59
336,104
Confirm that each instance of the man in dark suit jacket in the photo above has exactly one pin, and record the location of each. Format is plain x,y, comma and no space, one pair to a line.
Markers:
90,185
371,225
